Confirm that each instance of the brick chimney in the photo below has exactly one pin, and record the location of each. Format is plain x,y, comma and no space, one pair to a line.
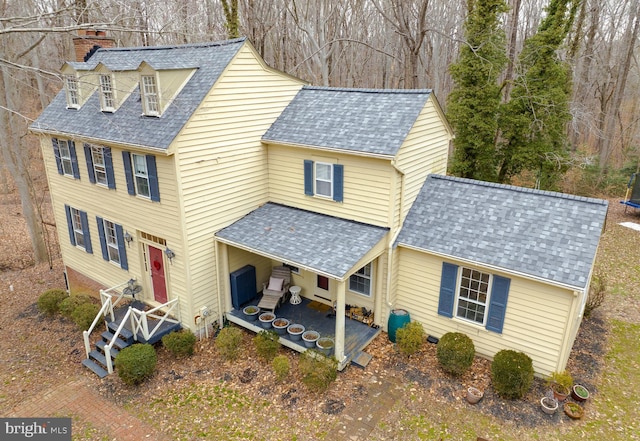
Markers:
88,40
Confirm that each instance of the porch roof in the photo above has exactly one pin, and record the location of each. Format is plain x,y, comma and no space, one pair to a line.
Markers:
320,243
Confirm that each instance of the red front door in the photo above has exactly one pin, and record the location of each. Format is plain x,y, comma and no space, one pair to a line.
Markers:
156,262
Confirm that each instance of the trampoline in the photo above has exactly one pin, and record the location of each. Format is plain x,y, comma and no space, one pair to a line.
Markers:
632,198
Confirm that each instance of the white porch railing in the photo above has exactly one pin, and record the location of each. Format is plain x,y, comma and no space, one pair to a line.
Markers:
140,319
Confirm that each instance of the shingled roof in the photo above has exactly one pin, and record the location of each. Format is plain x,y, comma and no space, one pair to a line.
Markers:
325,244
360,120
127,124
543,234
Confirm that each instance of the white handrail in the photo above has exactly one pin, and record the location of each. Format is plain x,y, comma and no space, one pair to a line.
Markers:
106,306
107,348
140,319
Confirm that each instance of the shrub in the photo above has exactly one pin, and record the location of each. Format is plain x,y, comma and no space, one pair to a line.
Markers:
267,344
410,338
511,373
68,305
228,342
560,382
318,371
49,301
455,352
136,363
180,344
281,367
84,315
597,294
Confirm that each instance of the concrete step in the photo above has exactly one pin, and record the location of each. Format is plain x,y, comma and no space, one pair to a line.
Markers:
95,368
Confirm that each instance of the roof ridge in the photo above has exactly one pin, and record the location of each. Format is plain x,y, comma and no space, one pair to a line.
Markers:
367,90
554,194
174,46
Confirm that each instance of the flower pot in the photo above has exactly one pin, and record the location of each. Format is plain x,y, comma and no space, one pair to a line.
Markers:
280,325
266,318
295,331
549,405
474,395
251,313
309,338
560,393
573,410
579,393
325,345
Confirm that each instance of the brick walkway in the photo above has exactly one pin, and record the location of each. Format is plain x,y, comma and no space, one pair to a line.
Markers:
77,399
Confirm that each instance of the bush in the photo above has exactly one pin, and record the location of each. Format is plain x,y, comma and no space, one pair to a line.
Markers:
68,305
281,367
318,371
455,352
49,301
180,344
136,363
512,373
228,342
597,294
84,315
410,338
267,344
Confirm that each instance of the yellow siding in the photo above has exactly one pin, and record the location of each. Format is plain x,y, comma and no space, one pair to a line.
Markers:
367,184
221,163
536,321
424,151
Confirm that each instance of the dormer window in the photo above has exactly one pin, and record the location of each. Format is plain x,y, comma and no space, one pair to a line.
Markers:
107,99
73,100
149,92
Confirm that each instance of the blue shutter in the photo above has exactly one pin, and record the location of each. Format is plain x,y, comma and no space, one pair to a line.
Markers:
154,189
447,289
128,172
72,237
85,231
103,239
89,159
308,177
338,182
74,160
498,304
108,165
56,154
122,251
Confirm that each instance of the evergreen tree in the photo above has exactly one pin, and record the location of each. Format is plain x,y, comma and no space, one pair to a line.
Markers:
474,102
533,122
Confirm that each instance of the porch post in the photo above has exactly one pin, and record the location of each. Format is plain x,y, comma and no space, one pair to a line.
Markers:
340,321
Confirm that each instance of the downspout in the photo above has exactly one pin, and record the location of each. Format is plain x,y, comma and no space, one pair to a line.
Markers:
216,250
395,235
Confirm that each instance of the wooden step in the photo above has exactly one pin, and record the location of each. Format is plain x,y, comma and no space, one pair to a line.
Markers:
99,357
95,368
101,345
120,344
125,334
361,359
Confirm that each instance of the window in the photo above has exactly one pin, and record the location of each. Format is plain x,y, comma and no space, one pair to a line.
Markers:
72,91
323,283
100,165
150,95
107,96
78,225
65,156
473,295
323,179
360,282
99,168
294,269
142,175
112,242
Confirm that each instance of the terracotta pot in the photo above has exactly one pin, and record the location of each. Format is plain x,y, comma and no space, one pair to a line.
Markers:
573,410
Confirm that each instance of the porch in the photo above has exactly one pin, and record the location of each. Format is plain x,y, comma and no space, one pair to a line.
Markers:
318,317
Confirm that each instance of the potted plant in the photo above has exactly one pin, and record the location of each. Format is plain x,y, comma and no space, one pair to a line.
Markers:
579,393
560,383
251,312
280,325
295,331
474,394
266,318
573,410
325,345
549,404
309,338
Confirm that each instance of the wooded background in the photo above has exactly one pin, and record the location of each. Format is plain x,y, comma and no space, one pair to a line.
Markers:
345,43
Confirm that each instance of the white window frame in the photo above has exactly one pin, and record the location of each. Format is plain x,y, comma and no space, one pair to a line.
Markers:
73,97
140,176
111,238
470,290
78,231
149,91
64,150
361,277
107,95
99,165
318,180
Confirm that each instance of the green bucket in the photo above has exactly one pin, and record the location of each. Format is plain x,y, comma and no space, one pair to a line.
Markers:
397,319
